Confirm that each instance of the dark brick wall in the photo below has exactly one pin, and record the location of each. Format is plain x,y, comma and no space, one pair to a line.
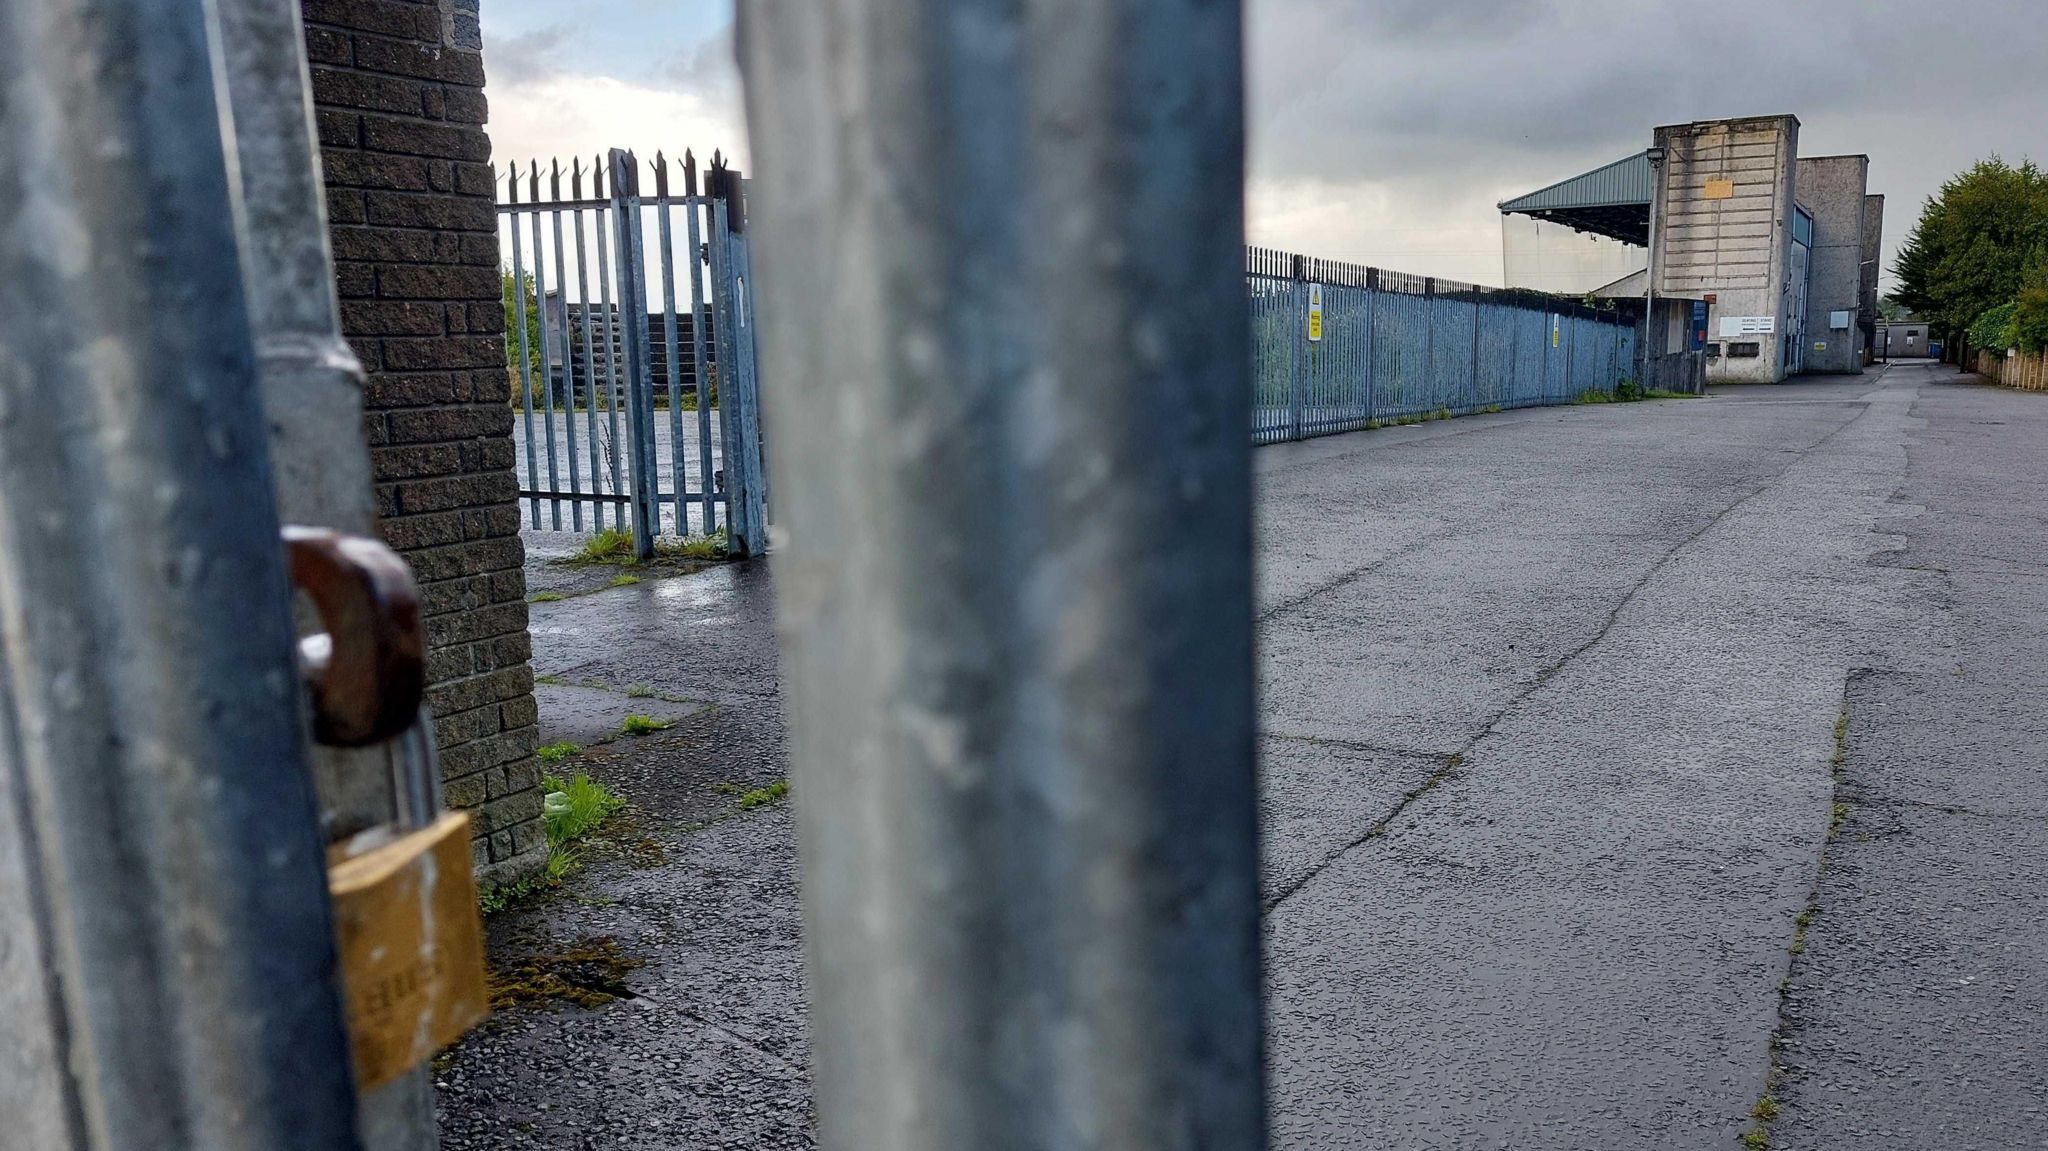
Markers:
398,89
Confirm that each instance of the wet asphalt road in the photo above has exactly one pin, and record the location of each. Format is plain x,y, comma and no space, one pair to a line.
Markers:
1551,703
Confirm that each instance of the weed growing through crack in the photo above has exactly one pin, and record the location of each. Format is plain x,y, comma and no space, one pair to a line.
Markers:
574,808
608,546
695,547
639,691
643,725
1758,1136
570,812
763,796
1491,409
555,752
624,580
547,597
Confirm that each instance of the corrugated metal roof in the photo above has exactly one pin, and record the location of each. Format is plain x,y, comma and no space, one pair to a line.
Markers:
1624,182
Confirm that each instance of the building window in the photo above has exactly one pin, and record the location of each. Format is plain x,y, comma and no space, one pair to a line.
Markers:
1745,351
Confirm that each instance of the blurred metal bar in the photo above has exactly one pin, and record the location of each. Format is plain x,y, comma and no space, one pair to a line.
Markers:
311,386
1002,244
152,758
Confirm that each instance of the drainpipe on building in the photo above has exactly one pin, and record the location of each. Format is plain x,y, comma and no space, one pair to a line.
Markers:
1656,155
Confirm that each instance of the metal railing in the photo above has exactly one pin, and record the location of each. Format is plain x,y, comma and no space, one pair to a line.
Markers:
1393,347
631,418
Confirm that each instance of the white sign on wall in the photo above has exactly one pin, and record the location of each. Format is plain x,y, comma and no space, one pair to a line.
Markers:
1748,325
1838,321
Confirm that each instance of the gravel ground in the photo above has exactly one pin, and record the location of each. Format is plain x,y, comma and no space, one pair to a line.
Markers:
1550,703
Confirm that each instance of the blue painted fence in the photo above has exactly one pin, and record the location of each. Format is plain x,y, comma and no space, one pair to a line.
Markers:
1394,345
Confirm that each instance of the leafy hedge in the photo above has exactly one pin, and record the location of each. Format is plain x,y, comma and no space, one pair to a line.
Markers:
1992,331
2030,319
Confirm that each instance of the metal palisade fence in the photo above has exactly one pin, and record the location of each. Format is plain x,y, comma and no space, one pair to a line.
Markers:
1338,347
638,395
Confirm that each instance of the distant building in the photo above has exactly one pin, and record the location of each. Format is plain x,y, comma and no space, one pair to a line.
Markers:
1903,339
1765,261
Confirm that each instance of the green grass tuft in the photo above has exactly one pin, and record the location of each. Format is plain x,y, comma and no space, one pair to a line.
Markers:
555,752
643,725
574,808
607,546
570,811
695,547
639,691
547,597
761,797
624,581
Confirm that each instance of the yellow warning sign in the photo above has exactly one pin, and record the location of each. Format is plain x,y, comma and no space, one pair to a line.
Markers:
1315,313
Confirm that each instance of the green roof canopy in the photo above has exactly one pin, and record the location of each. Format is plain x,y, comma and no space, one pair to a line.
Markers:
1612,200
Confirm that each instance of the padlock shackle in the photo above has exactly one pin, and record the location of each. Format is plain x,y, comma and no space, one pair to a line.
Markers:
368,670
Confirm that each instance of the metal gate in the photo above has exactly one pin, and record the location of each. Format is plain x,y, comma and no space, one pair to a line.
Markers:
630,420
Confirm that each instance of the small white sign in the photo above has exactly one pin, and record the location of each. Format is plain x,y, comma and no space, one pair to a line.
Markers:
1748,325
1838,321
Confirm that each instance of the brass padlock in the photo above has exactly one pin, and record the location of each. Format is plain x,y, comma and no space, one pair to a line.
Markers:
404,898
412,953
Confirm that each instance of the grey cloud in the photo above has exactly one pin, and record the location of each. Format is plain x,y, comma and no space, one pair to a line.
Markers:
528,55
1441,97
707,68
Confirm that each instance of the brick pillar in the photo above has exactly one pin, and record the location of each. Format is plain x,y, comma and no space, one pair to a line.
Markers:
398,87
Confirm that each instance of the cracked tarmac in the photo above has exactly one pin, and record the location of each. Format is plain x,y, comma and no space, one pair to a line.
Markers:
1549,703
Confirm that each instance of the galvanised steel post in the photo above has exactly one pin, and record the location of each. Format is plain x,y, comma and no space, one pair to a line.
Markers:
168,891
1002,246
739,434
753,491
628,235
312,398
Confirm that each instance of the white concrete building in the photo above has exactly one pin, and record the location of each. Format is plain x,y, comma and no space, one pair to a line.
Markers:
1763,260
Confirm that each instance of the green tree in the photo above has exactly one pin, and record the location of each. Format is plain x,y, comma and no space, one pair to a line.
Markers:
2030,319
1977,244
533,345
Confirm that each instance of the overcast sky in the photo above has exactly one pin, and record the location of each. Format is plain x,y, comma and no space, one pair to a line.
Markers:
1385,131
